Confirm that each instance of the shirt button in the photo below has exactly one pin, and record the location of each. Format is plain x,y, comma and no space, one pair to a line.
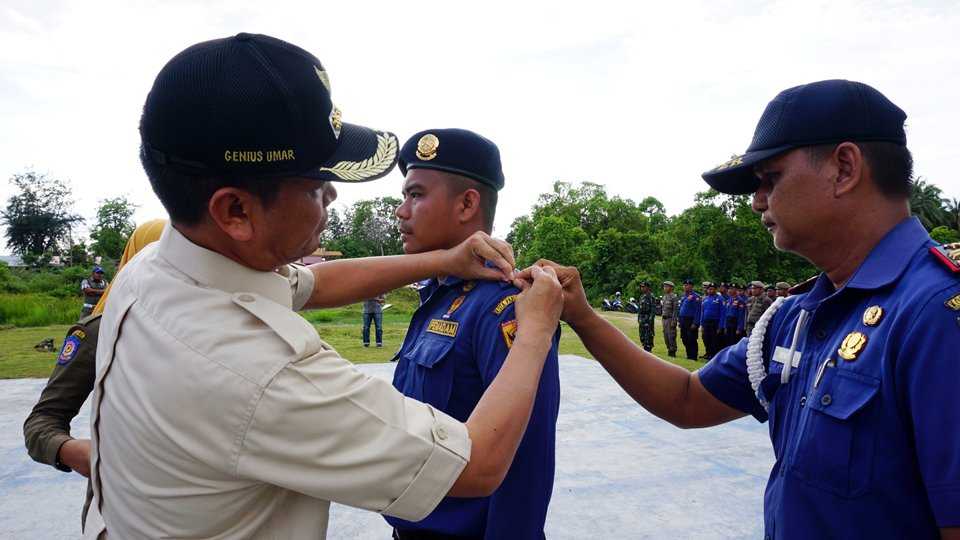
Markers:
441,433
826,400
821,334
803,400
246,298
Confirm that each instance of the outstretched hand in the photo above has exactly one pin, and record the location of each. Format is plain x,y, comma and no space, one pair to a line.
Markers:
576,308
468,259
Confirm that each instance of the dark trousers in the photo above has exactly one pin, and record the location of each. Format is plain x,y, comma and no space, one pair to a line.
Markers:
427,535
688,335
730,336
711,338
377,318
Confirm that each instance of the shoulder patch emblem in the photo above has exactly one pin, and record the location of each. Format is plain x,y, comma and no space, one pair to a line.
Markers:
454,306
71,345
953,303
509,331
443,328
949,255
504,304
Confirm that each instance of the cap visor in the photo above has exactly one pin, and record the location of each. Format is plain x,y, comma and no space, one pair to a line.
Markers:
736,177
363,154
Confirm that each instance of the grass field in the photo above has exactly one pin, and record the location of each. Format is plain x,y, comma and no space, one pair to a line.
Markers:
338,327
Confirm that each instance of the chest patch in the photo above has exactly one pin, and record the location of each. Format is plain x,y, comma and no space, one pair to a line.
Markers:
504,304
443,328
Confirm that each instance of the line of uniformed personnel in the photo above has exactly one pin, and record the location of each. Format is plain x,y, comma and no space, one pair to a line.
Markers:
724,314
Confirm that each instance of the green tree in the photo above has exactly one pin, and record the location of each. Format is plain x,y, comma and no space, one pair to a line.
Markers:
929,205
945,235
368,228
558,240
113,227
38,218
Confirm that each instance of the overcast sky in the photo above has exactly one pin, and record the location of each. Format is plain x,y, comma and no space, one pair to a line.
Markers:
641,97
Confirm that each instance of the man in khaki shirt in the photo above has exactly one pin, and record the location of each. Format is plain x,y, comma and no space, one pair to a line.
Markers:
218,412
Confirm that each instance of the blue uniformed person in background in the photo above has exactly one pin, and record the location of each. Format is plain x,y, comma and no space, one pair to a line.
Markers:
689,319
711,311
460,335
857,370
734,316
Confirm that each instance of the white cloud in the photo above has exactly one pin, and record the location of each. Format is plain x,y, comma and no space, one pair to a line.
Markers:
639,96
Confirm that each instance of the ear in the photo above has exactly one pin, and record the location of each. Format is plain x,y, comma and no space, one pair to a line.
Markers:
850,168
233,211
468,206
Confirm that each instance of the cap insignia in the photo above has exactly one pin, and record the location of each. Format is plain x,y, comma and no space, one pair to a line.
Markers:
427,147
872,316
336,121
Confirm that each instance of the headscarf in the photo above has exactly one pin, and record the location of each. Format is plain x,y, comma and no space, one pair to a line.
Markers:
142,236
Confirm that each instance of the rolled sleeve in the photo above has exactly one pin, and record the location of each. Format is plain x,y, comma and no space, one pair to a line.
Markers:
302,282
324,429
726,378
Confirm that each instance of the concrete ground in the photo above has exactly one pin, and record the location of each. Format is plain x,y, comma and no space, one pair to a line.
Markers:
621,473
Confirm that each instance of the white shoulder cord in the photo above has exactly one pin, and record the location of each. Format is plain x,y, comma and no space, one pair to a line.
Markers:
755,351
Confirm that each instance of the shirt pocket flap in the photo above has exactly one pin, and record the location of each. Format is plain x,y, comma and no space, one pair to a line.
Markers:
428,351
849,393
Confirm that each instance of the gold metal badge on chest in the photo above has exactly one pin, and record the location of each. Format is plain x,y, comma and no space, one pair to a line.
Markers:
872,316
852,345
454,306
427,147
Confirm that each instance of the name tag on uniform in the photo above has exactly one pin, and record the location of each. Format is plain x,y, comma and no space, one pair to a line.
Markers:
442,327
780,355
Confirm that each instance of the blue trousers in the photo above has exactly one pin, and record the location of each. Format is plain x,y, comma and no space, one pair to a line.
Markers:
377,318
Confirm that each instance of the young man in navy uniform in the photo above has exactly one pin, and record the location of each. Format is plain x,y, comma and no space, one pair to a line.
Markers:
462,331
711,313
689,319
857,370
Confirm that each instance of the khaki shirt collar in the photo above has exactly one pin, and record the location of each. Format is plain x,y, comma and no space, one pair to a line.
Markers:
213,270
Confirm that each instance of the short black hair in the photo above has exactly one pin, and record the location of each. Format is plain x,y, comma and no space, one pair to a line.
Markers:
891,165
488,197
186,195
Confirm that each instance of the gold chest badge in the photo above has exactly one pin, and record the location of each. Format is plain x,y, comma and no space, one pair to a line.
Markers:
953,303
427,147
872,316
469,286
852,345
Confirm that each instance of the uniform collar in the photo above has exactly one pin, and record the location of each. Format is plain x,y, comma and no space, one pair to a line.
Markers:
883,265
213,270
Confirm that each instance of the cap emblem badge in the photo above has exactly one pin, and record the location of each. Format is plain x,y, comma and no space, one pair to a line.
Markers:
872,316
852,345
427,147
336,121
732,162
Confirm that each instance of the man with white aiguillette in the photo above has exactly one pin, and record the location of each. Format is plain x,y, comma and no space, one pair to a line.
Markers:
858,369
463,331
218,412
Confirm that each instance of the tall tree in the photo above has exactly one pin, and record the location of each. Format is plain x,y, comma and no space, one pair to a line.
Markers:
39,217
113,227
929,205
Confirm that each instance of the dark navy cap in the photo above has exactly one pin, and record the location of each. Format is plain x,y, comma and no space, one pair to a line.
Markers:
456,151
256,106
96,270
822,112
688,281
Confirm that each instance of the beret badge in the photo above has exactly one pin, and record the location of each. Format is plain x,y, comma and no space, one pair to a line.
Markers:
427,147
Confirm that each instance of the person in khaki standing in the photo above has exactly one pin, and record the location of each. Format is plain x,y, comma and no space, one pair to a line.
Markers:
218,412
757,304
671,305
46,431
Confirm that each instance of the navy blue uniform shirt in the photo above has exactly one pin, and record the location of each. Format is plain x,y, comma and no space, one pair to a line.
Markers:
690,306
866,433
734,308
711,308
457,341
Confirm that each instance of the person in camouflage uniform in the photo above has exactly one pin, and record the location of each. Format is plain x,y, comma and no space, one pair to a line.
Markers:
760,304
646,314
669,311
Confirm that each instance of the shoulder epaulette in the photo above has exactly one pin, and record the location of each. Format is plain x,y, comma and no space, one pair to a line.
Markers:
949,255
